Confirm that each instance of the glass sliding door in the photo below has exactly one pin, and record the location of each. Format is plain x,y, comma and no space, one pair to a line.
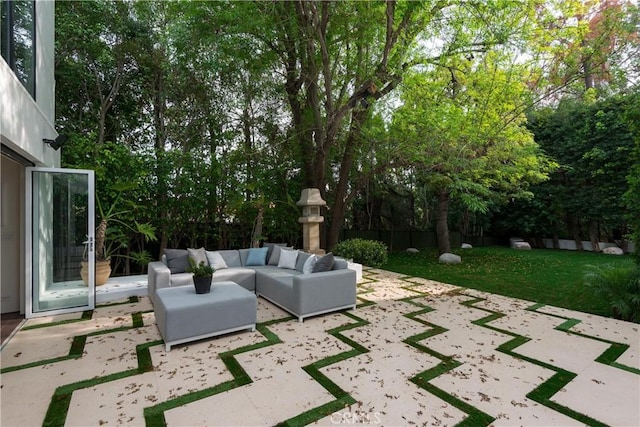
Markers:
60,235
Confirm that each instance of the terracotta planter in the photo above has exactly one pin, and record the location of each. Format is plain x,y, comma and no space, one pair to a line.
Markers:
202,284
103,271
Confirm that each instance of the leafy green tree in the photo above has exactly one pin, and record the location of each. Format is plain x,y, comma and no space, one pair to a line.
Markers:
470,138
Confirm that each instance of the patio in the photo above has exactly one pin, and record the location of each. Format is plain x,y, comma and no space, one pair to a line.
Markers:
415,352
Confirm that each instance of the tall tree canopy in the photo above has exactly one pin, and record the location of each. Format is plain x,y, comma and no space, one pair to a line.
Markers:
239,105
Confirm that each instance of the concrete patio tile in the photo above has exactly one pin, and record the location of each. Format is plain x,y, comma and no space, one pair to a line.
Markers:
263,402
605,393
120,402
487,379
497,384
114,351
196,366
38,344
303,344
268,311
383,392
527,323
567,351
25,396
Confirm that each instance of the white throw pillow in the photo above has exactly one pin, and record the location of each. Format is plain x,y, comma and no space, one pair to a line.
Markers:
215,260
308,264
197,256
288,259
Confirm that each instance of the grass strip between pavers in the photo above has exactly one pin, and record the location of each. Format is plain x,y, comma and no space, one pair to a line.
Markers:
77,345
154,415
475,417
545,391
343,399
61,399
608,357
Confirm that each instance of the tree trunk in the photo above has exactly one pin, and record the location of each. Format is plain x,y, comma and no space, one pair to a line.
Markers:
341,201
574,228
442,228
257,229
594,235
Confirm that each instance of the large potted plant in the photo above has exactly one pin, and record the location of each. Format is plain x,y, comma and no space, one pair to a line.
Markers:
202,276
110,238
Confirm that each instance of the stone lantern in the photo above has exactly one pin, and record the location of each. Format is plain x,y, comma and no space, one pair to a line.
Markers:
311,201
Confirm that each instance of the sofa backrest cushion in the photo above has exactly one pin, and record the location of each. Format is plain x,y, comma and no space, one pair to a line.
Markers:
275,254
302,258
256,256
232,257
270,247
215,260
340,264
324,264
177,260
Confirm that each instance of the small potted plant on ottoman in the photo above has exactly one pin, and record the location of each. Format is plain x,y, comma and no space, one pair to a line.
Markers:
202,274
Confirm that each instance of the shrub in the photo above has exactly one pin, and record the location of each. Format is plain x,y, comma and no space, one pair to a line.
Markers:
367,252
620,287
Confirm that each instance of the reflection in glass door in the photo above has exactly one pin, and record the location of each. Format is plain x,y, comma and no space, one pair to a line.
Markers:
61,210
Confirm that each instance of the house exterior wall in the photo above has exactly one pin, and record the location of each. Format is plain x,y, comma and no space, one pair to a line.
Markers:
24,122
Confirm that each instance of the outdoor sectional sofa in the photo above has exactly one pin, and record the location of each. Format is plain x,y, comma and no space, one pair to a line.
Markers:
286,281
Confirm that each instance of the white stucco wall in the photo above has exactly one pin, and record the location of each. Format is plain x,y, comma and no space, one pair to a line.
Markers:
23,121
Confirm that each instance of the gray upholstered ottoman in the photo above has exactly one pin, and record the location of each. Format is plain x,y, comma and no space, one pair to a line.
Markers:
183,316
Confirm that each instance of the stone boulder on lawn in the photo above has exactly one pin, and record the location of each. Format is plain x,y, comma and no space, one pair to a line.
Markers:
448,258
613,250
523,246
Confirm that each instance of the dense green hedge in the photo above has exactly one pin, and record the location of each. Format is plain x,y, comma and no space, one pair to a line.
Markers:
367,252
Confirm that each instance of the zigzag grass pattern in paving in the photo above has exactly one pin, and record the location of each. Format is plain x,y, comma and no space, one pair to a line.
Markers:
414,352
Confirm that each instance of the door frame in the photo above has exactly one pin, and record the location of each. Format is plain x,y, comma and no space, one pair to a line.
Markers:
29,258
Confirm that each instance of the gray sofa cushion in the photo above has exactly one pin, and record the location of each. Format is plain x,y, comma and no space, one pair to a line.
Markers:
244,277
231,257
270,247
181,279
324,264
177,260
340,264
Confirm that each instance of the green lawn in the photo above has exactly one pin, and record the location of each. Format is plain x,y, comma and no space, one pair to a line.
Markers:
541,275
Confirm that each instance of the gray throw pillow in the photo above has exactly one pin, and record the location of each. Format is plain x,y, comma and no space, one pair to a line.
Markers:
324,264
177,260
